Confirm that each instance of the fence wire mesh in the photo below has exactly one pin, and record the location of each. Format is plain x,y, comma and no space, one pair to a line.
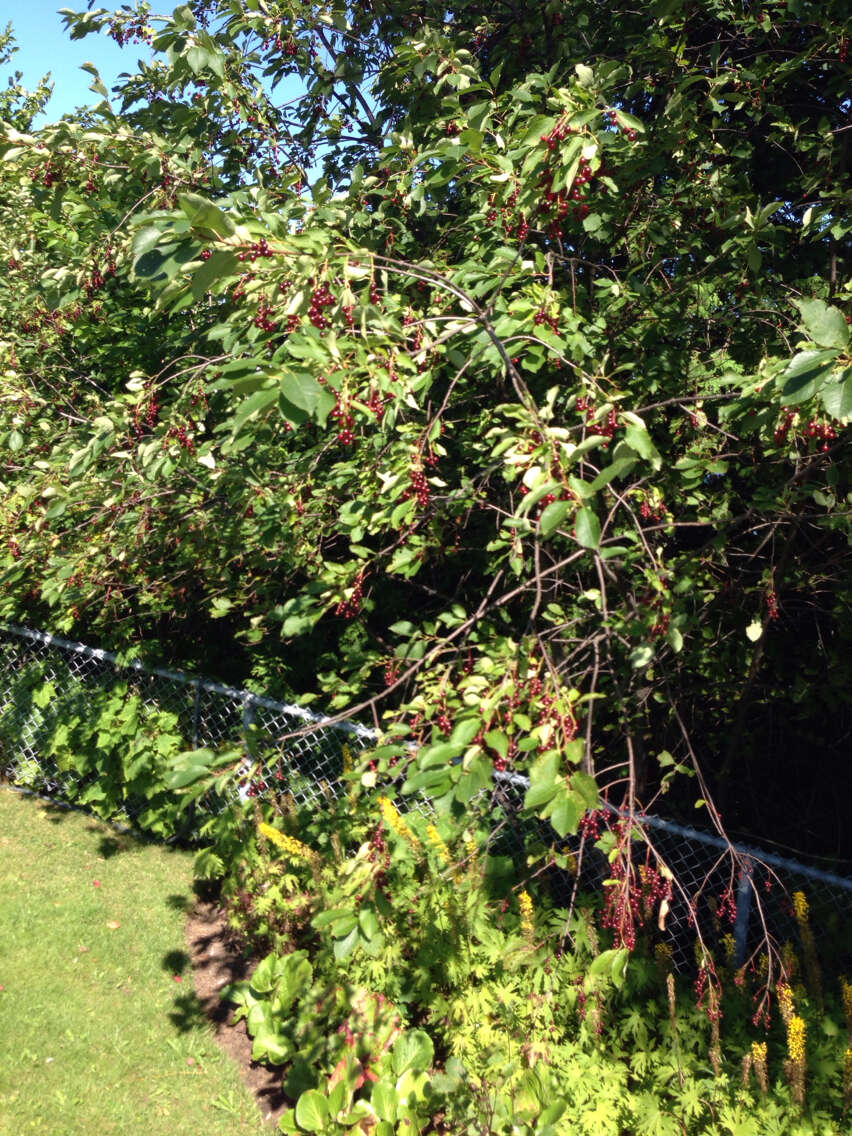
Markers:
734,895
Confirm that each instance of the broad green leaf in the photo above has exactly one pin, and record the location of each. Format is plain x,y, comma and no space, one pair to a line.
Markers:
587,528
384,1100
804,376
301,390
413,1050
825,324
312,1111
553,516
204,214
836,397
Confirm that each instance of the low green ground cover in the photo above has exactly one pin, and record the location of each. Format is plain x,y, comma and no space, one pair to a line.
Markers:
100,1030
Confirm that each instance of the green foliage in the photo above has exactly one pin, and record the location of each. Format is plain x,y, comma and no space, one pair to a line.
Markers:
524,426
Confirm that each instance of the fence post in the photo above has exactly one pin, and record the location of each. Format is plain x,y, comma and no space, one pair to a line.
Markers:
744,897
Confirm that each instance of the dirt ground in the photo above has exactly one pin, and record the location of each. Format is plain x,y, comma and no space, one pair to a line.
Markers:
217,961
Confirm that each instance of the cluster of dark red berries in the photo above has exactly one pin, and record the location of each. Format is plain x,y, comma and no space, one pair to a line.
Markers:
612,118
145,417
14,264
181,436
590,824
823,433
321,298
419,487
130,33
262,320
258,249
649,511
631,903
343,416
350,608
701,986
542,316
772,605
377,404
660,629
606,428
843,49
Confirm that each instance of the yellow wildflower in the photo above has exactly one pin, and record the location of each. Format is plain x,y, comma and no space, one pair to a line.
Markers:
796,1035
288,844
847,1075
527,921
438,843
800,903
394,821
785,1002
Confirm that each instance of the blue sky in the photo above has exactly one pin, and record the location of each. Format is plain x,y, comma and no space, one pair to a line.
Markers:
44,46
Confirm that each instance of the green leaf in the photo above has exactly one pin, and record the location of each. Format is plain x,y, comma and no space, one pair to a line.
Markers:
221,263
252,406
565,813
384,1101
203,214
804,376
312,1111
344,947
553,516
836,397
413,1050
301,391
826,325
498,741
641,656
587,528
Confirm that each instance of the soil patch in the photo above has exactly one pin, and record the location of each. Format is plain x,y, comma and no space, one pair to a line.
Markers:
217,961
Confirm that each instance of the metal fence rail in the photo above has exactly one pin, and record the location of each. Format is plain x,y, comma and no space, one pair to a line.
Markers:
733,900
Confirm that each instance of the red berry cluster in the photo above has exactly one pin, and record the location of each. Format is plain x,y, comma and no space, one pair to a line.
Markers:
702,984
262,319
607,428
350,608
542,316
181,436
419,487
822,433
843,49
258,249
377,404
612,118
321,299
651,511
345,421
630,903
145,416
772,605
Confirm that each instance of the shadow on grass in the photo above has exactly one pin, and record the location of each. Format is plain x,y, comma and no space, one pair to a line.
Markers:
175,962
189,1014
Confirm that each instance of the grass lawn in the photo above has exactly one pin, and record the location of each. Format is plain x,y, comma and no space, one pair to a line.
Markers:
100,1029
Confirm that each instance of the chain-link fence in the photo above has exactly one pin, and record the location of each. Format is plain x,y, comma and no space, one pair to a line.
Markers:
734,895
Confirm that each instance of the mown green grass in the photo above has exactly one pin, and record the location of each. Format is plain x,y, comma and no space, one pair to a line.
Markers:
96,1035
